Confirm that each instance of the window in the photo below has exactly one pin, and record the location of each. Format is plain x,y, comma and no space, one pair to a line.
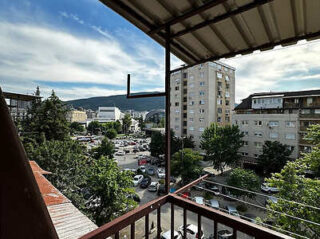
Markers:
191,77
184,99
244,122
219,101
309,101
191,111
219,75
201,102
244,154
258,122
245,143
258,134
236,122
176,119
201,74
191,128
191,94
227,78
201,129
184,107
184,115
317,111
290,136
219,119
191,85
184,131
290,124
177,81
177,111
201,111
185,91
290,147
201,83
227,102
185,75
191,103
273,123
176,88
274,135
258,144
201,119
227,94
184,123
176,104
227,119
219,110
185,83
201,92
305,111
246,133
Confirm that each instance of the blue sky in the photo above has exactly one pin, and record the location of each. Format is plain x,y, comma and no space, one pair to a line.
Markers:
80,48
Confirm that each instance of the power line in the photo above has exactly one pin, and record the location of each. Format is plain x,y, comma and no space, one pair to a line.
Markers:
262,223
261,194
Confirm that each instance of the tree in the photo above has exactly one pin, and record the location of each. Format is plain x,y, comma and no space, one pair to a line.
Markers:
94,127
47,117
111,133
157,144
126,123
106,149
245,179
109,188
141,123
76,127
313,135
221,144
274,156
186,163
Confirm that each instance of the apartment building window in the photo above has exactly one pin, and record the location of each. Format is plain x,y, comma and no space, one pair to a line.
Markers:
201,74
185,91
219,84
201,111
184,123
305,111
258,134
290,124
201,129
227,94
220,110
191,103
227,86
184,131
184,107
227,111
273,123
256,155
177,111
191,77
219,101
219,75
201,83
191,111
176,119
227,119
185,75
317,111
258,145
290,136
201,102
191,85
219,119
201,92
245,143
258,122
290,147
201,119
227,78
184,115
176,104
176,88
227,102
274,135
309,101
177,81
244,154
191,119
219,93
244,122
184,99
191,128
185,83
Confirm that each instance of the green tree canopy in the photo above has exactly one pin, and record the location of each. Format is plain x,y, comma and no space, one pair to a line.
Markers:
221,144
274,156
116,125
109,187
313,135
126,123
94,127
76,127
186,163
157,144
111,133
245,179
106,149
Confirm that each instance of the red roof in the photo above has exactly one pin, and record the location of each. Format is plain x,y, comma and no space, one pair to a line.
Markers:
50,194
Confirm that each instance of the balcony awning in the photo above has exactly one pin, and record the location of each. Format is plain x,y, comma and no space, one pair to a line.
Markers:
203,30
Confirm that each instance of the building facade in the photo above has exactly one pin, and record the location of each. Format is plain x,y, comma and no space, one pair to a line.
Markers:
201,95
107,114
77,116
280,116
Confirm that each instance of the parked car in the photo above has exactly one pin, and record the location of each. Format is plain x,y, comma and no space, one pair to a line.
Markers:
151,171
199,200
137,180
232,210
153,187
167,235
142,168
142,162
225,234
120,153
271,199
145,182
249,217
161,189
186,195
213,188
127,151
161,173
268,189
192,231
135,197
214,204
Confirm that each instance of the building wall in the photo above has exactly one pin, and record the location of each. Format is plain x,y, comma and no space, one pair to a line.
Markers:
194,96
109,113
77,116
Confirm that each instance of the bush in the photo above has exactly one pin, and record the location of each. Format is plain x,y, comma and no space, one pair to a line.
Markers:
242,208
208,196
161,181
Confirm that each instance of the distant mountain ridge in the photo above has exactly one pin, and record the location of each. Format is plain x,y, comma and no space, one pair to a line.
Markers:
120,101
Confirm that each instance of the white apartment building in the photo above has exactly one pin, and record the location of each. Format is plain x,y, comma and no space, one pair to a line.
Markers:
279,116
107,114
200,95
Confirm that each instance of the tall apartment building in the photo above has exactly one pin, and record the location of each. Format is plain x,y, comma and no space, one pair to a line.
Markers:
200,95
277,116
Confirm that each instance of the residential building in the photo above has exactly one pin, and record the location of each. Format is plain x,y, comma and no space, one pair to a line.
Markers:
136,114
91,114
277,116
107,114
77,116
201,95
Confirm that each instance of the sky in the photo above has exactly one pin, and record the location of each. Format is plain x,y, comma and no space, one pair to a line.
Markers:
81,49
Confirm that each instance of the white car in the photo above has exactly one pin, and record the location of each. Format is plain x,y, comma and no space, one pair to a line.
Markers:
143,169
214,204
268,189
192,231
167,235
120,153
199,200
161,173
137,180
153,187
232,211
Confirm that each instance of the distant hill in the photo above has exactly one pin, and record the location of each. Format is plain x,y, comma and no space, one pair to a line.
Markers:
120,101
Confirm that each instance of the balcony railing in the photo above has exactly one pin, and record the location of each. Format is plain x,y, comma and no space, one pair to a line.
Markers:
114,227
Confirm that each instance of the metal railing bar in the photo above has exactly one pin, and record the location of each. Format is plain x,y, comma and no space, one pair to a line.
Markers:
132,231
158,222
146,226
186,187
184,223
172,221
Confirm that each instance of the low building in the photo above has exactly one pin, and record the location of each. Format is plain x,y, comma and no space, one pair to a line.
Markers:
91,114
77,116
68,221
277,116
107,114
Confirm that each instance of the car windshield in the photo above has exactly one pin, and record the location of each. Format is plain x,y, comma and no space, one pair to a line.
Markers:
136,178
